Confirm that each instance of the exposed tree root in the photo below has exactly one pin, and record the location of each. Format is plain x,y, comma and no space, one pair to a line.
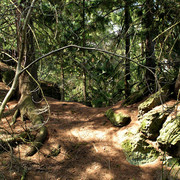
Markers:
8,140
28,109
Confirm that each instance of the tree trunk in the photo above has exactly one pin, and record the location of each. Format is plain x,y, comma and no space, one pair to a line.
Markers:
177,86
127,40
150,54
84,44
62,79
26,88
21,41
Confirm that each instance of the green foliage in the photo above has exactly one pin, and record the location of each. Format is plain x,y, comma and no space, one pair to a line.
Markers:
59,23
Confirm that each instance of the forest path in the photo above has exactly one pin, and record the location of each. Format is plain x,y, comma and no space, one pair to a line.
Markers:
90,147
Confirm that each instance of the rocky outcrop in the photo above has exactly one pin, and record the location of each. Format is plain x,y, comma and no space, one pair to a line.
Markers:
138,151
118,119
152,121
159,127
154,100
136,97
169,138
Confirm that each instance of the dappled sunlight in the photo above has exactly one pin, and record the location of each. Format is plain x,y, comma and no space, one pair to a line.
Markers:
86,134
95,169
89,146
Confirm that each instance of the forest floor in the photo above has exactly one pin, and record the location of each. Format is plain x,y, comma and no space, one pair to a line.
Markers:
90,147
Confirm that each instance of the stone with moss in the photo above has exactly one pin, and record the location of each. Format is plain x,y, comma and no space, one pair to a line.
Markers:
169,138
152,122
118,119
154,100
135,97
138,151
171,162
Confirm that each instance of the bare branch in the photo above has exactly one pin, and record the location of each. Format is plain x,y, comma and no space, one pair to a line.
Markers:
85,48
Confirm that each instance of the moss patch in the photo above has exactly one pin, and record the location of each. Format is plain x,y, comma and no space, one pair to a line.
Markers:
138,151
135,97
154,100
152,122
118,119
170,135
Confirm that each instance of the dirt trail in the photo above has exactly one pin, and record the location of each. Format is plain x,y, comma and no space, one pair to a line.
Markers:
89,148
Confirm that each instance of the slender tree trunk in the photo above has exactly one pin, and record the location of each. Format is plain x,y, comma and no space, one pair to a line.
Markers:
127,40
142,49
62,80
150,54
84,44
177,86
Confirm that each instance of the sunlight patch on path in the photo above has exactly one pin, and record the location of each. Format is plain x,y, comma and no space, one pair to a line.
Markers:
85,134
94,170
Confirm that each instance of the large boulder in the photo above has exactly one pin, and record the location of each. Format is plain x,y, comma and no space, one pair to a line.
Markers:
154,100
118,119
136,96
50,89
169,138
152,121
138,151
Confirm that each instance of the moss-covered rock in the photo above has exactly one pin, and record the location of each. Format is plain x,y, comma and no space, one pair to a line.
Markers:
152,122
172,162
118,119
154,100
136,97
138,151
169,138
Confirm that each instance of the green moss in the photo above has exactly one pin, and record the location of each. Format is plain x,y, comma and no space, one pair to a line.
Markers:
138,151
170,132
117,119
127,146
135,97
175,162
152,122
154,100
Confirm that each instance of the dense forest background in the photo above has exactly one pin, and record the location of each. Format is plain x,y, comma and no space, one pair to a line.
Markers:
140,40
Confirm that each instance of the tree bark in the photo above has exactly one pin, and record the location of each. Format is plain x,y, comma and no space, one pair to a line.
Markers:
177,86
150,54
127,40
26,89
21,49
27,84
84,44
62,80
